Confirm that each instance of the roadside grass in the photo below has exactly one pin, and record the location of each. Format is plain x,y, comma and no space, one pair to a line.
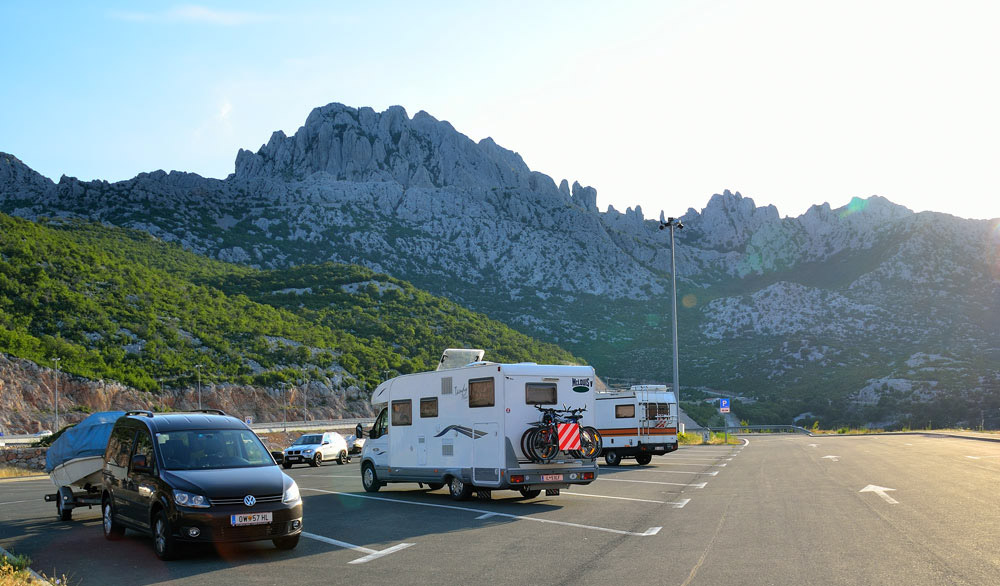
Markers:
714,439
14,571
13,472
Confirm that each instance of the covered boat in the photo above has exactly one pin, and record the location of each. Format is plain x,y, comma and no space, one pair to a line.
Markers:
75,460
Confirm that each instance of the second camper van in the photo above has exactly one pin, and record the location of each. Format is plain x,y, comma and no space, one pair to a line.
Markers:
461,426
637,423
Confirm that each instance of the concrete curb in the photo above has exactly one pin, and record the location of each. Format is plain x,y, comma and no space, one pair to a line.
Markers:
24,478
34,575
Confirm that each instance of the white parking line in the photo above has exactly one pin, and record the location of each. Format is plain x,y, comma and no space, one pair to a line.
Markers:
677,505
357,476
646,533
699,485
372,553
647,471
16,502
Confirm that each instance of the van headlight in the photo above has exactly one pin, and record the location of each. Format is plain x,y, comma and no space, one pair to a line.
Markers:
291,494
189,499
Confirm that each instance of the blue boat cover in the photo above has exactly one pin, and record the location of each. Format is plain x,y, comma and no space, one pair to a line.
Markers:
87,438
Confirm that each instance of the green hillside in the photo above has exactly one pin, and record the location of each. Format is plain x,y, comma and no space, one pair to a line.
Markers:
118,304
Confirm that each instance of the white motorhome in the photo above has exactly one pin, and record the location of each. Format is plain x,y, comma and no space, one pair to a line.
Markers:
637,423
461,426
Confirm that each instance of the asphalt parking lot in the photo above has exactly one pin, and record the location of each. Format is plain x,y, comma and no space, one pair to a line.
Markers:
778,510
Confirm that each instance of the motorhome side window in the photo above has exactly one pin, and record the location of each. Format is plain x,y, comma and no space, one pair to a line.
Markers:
429,407
481,393
540,394
624,411
654,409
402,412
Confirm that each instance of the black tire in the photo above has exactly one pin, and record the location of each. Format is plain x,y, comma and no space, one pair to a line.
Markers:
459,490
526,445
317,460
591,443
286,542
612,458
286,465
342,458
164,544
63,511
529,493
644,459
113,530
369,479
435,485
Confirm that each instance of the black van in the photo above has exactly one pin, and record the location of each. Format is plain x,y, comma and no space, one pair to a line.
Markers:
198,477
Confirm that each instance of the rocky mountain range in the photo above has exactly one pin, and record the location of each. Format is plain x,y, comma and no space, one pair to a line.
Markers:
868,313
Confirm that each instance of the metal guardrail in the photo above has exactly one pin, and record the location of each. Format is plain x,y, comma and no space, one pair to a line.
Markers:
275,426
747,429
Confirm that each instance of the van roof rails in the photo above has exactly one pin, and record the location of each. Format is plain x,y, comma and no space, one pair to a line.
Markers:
139,412
215,411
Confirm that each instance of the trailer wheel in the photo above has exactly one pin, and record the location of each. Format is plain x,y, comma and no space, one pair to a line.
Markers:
63,509
459,490
368,478
644,459
612,458
529,493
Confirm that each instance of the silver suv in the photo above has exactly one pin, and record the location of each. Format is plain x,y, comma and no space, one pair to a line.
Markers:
314,448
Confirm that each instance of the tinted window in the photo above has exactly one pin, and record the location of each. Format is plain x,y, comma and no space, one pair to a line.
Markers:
540,393
429,407
402,412
481,393
120,445
205,449
144,447
624,411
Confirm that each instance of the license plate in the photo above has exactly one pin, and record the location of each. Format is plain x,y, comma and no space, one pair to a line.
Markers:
250,519
551,477
292,458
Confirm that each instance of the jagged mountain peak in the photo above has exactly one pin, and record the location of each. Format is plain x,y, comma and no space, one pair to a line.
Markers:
362,145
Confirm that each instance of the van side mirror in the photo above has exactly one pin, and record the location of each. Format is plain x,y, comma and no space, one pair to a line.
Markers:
140,465
326,442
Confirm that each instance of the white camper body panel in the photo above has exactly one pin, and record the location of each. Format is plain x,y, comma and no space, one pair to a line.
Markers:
467,422
640,422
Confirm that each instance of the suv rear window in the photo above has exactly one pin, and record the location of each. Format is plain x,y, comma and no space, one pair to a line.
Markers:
200,449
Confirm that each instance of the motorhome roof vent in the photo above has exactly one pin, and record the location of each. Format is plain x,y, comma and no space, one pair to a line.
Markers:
459,357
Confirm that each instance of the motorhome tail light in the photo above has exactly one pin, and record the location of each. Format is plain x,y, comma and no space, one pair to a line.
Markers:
516,478
587,476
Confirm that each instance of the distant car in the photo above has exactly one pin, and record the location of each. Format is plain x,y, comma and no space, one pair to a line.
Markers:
314,448
43,433
196,477
354,444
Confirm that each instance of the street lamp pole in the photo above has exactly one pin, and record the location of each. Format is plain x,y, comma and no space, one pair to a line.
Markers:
198,368
674,223
284,406
56,361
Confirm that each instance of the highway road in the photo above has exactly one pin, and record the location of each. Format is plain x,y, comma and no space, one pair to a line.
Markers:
902,509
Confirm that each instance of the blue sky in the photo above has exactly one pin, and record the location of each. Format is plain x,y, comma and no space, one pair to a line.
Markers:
660,104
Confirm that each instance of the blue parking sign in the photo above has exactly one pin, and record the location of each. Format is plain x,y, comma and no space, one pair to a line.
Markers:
723,405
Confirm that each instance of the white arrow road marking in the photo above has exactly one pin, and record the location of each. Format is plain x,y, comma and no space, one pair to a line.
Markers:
813,445
372,553
980,457
880,490
484,513
834,458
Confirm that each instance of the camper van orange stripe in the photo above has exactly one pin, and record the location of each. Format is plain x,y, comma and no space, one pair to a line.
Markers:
635,431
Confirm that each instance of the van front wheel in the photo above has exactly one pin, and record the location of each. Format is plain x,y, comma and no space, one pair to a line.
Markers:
368,478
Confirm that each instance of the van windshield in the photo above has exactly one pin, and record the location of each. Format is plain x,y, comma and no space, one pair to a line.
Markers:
201,449
308,440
